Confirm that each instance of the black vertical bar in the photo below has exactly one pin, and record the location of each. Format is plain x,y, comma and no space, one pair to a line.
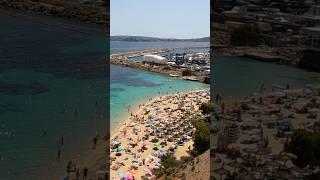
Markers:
107,66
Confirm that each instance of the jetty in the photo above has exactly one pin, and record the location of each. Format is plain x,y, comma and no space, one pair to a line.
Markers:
176,71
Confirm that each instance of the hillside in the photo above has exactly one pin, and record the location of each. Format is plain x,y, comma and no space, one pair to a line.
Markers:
196,169
151,39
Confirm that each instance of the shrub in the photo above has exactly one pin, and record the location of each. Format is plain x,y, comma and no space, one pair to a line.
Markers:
201,138
168,161
306,146
206,108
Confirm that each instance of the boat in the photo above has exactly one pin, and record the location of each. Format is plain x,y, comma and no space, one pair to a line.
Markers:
174,75
192,78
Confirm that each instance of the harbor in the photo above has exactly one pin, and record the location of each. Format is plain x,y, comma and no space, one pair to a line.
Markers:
180,63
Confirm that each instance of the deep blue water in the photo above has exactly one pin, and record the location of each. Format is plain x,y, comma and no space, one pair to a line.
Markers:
50,81
118,46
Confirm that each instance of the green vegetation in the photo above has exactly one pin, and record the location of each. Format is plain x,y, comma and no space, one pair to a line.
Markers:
154,39
206,108
168,163
201,137
245,35
306,146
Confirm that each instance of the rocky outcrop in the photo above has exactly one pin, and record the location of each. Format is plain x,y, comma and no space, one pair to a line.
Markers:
61,8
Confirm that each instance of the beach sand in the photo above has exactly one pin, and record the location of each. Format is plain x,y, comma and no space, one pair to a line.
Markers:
159,112
257,128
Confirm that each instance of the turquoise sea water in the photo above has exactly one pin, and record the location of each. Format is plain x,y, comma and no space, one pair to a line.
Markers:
24,151
130,87
48,85
52,83
237,77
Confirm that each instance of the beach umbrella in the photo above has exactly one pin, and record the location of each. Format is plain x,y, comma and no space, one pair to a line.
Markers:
156,145
121,175
148,171
119,149
115,142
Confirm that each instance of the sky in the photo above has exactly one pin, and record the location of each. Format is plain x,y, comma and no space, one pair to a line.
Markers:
160,18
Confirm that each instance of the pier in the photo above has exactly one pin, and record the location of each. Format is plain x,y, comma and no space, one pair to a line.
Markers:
122,58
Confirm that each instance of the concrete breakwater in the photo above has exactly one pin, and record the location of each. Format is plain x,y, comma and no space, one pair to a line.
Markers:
122,59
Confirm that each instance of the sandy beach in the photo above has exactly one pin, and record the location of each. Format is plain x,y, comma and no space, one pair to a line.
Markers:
250,134
159,126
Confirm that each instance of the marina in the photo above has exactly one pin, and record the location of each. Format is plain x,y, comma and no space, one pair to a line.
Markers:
166,61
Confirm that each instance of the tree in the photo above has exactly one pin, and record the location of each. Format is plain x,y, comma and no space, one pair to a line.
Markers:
306,146
245,35
206,108
201,138
168,161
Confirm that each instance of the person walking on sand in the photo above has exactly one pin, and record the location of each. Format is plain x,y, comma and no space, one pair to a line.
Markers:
59,153
69,167
95,140
85,172
124,132
77,174
61,141
222,108
218,98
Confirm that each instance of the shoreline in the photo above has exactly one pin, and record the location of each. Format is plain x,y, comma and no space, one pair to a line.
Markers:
68,24
70,10
94,159
123,59
123,120
126,124
298,57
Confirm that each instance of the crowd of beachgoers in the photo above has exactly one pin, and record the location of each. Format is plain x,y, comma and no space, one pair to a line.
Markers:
251,134
160,126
